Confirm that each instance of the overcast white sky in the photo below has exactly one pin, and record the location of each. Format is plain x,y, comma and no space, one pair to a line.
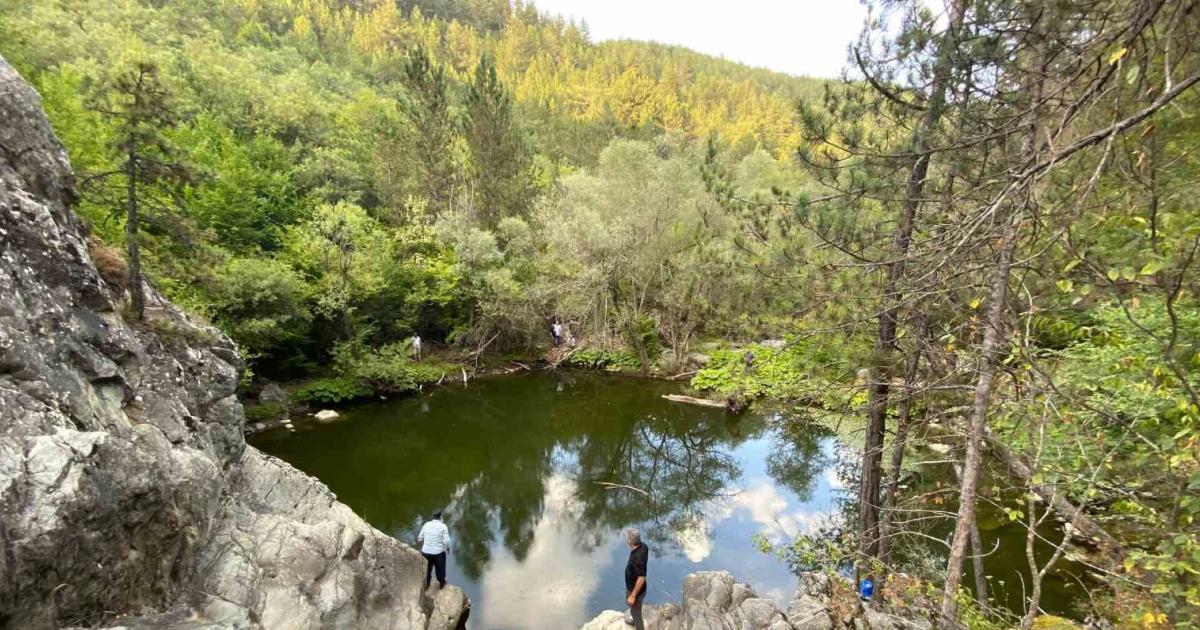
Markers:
802,37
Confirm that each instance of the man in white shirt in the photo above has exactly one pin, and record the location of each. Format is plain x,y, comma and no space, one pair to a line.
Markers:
435,544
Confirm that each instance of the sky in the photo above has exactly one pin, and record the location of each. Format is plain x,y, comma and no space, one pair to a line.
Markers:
800,37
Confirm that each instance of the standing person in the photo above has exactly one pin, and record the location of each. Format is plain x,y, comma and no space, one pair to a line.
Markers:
556,332
417,346
435,544
635,576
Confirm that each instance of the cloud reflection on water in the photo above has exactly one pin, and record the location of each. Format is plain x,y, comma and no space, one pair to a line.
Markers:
550,587
763,503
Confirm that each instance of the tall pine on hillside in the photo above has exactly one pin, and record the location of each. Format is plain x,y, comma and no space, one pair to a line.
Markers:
427,108
501,157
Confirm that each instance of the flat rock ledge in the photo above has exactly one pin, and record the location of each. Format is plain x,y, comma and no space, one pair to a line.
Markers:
713,600
128,495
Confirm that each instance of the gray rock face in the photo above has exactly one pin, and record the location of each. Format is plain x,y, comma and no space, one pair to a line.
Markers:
809,608
712,600
127,492
273,394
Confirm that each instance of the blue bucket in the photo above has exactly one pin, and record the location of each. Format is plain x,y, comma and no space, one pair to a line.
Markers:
866,589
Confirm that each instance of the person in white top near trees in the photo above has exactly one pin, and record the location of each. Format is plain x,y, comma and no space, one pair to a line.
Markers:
434,540
416,346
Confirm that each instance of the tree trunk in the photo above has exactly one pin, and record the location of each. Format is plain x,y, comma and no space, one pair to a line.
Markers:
137,294
900,442
891,293
981,586
988,358
643,356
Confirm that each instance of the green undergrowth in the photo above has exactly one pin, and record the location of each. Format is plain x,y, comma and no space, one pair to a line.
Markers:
361,372
331,391
610,360
261,412
797,372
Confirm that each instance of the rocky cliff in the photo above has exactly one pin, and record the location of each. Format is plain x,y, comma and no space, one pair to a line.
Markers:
713,600
127,492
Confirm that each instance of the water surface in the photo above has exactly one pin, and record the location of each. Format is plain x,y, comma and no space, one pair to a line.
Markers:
523,467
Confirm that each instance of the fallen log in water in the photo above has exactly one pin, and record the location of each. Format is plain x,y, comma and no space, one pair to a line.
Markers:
1083,525
682,375
703,402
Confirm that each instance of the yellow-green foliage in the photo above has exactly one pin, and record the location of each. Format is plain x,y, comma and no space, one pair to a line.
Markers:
1051,622
325,154
800,371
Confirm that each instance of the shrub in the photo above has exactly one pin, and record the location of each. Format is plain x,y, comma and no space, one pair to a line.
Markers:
259,412
109,262
388,368
261,304
797,372
643,332
331,391
605,359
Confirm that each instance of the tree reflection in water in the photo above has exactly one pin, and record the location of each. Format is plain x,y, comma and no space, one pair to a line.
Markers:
796,458
487,453
680,466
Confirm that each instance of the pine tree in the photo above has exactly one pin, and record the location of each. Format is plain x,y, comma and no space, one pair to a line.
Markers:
501,156
147,184
432,127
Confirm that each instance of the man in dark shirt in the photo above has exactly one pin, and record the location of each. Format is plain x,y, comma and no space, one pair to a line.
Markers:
635,576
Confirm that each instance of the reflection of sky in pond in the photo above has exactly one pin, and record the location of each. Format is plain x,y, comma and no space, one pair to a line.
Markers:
520,465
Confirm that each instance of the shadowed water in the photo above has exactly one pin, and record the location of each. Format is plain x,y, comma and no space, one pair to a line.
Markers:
539,474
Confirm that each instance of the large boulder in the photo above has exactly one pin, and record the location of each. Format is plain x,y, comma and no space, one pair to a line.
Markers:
712,600
127,492
809,608
665,617
450,610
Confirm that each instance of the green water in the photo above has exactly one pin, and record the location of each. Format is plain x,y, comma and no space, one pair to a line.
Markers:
524,467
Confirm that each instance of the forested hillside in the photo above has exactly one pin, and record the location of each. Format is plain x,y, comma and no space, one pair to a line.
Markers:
344,175
987,241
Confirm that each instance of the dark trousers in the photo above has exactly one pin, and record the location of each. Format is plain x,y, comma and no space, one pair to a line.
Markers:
636,611
435,561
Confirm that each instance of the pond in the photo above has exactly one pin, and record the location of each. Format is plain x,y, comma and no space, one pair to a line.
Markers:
539,474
